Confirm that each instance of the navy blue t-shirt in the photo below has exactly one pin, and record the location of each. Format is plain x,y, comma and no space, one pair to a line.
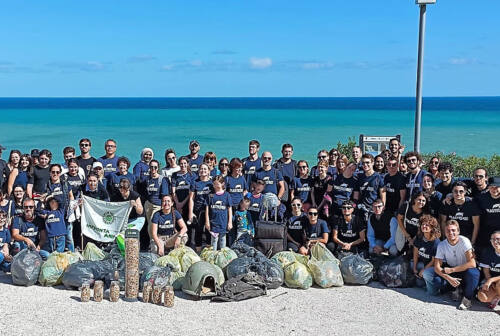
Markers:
156,188
490,217
250,167
110,166
182,184
411,219
166,222
302,188
288,170
195,163
255,207
141,171
201,191
218,205
342,189
271,177
490,259
114,182
348,232
368,187
4,237
426,249
235,187
28,229
414,183
296,226
75,183
54,223
316,231
60,191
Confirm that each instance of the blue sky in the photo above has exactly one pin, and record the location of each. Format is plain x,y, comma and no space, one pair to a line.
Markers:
246,48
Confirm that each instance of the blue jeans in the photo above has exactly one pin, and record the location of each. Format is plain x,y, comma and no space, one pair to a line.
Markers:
4,265
19,246
219,240
56,244
469,283
393,250
433,282
70,245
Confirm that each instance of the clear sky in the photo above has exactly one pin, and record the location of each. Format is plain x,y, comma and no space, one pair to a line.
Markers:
246,48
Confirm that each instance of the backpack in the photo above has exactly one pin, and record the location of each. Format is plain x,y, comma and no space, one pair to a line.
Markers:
241,287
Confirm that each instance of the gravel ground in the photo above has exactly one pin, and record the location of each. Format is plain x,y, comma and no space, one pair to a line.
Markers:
355,310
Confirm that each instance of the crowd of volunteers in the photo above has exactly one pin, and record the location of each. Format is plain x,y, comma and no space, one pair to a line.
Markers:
392,204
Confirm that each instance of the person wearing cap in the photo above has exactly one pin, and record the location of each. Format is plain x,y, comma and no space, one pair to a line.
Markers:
85,160
195,160
489,206
3,164
98,169
35,154
110,159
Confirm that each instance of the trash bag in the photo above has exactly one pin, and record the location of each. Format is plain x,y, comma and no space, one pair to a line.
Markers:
169,260
177,279
297,275
326,273
86,271
321,253
303,259
92,252
396,273
220,258
270,271
243,250
157,276
284,258
52,270
114,257
25,268
242,287
186,256
246,239
356,270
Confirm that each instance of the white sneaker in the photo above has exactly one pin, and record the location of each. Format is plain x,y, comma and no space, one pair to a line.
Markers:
465,304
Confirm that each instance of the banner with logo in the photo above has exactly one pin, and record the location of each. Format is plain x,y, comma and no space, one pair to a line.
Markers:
103,221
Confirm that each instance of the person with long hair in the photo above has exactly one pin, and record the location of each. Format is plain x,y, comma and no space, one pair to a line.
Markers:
210,159
319,198
171,165
409,216
379,165
295,223
433,166
433,196
21,174
302,185
13,162
342,188
424,251
224,166
198,200
181,183
37,185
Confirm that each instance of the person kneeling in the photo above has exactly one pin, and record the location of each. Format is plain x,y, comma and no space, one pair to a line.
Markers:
490,263
163,228
382,226
349,232
460,270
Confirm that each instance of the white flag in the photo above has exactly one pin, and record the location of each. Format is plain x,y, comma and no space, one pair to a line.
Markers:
103,221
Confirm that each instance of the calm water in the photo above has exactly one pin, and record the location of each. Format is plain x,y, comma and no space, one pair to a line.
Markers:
224,125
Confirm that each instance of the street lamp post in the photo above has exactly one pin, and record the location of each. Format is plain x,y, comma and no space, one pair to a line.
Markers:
420,66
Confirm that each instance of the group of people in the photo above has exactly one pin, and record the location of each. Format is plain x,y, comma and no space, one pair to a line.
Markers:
391,204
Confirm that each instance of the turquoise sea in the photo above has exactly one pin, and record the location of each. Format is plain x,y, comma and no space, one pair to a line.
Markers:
467,126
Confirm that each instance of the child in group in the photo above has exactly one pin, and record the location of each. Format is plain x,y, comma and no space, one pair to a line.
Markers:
5,257
54,225
219,214
243,219
255,197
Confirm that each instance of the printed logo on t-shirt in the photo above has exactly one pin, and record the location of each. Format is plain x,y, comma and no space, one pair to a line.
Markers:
459,216
412,221
254,207
251,170
194,167
219,205
267,180
296,225
166,225
52,219
305,187
237,188
494,209
421,252
342,187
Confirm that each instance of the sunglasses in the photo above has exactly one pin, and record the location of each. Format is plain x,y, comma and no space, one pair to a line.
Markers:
346,207
153,167
55,172
29,207
297,205
312,213
224,164
412,160
266,158
322,157
84,145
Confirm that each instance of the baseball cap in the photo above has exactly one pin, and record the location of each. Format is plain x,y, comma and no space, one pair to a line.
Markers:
96,164
194,142
35,153
494,181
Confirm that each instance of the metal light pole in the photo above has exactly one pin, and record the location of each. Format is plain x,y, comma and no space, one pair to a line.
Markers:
420,66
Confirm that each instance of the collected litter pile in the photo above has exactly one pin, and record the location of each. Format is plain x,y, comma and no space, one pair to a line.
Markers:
230,274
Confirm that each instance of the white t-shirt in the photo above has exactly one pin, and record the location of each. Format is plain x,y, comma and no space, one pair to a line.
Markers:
454,255
167,172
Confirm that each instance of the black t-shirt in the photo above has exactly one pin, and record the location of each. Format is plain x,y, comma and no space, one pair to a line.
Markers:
444,190
382,226
462,214
86,164
39,179
426,249
100,193
348,232
490,259
320,186
131,196
393,185
411,219
296,226
490,217
3,164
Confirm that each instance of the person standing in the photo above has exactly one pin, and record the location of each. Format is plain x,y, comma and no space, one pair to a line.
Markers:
415,174
455,263
252,162
85,160
489,205
3,164
37,185
394,186
141,168
195,160
109,160
369,187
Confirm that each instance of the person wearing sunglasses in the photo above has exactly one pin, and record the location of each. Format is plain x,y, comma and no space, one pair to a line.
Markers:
224,167
109,160
295,222
156,186
463,210
323,156
195,159
489,204
490,263
479,183
433,167
28,230
273,178
348,232
415,174
85,160
394,186
302,184
381,230
210,159
171,165
316,230
333,155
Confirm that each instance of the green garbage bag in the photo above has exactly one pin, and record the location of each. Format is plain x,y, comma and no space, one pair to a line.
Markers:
207,253
92,252
177,279
321,253
326,273
186,256
169,260
284,258
303,259
221,274
52,270
297,275
223,257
